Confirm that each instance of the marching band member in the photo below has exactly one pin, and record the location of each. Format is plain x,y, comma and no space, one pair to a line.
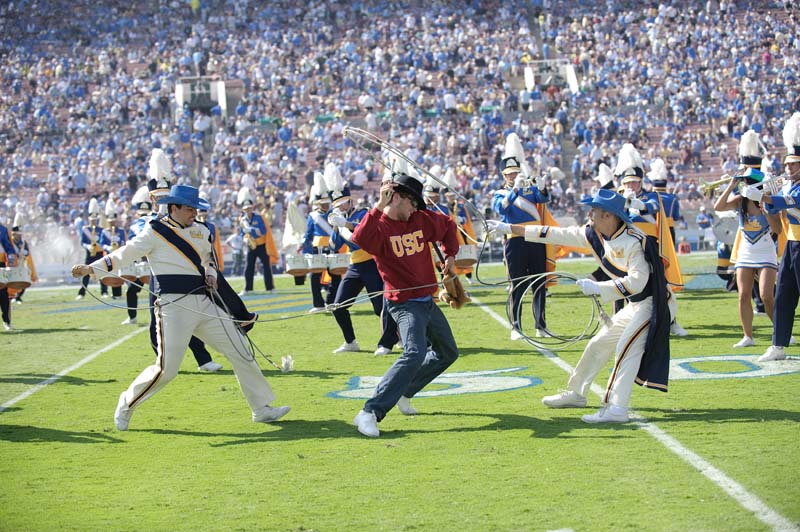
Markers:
90,241
397,232
181,257
432,192
460,215
112,238
671,203
8,256
786,204
316,240
202,217
23,251
143,203
253,229
520,202
647,214
160,172
637,336
361,273
754,254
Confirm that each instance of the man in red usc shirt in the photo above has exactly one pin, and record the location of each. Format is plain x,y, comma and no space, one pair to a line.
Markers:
397,233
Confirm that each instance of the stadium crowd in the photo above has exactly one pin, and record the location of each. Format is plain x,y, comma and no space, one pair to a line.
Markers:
84,104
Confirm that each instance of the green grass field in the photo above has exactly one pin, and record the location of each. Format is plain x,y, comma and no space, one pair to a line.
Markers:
480,461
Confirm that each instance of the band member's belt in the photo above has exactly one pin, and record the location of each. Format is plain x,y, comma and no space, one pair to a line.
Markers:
179,284
641,296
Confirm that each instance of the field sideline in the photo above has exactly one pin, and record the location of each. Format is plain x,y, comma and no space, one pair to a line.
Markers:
718,452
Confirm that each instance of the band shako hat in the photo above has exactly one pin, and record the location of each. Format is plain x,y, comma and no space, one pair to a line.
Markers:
159,173
791,139
141,199
513,156
604,177
629,164
339,192
658,175
750,152
244,198
319,191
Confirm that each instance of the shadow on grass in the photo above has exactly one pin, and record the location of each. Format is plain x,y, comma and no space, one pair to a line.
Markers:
50,330
272,373
467,351
337,428
718,415
30,434
36,378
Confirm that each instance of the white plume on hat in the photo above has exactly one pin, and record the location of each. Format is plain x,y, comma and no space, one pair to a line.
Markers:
319,192
94,207
19,220
111,208
791,138
749,145
604,175
557,173
333,178
658,170
450,180
244,195
514,149
431,183
160,167
142,195
628,160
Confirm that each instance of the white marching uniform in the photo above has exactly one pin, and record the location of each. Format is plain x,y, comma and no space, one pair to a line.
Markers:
626,335
194,314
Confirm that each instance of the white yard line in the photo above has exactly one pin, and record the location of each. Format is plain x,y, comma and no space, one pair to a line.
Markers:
736,491
36,387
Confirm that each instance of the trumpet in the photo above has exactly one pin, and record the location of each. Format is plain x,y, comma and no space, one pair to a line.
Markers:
250,242
772,185
708,189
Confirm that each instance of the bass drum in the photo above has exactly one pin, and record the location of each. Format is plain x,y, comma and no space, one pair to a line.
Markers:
143,271
296,265
338,263
18,278
467,256
110,279
725,227
316,263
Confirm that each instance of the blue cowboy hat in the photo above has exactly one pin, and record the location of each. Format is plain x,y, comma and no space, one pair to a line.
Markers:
609,201
184,195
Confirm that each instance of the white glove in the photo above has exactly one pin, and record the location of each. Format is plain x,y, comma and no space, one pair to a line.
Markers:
499,227
632,201
519,183
588,287
752,192
539,182
337,219
635,203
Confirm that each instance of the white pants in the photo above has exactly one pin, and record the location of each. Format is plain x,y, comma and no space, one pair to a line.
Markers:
625,339
174,328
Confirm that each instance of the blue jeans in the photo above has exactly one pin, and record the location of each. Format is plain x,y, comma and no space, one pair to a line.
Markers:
418,322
